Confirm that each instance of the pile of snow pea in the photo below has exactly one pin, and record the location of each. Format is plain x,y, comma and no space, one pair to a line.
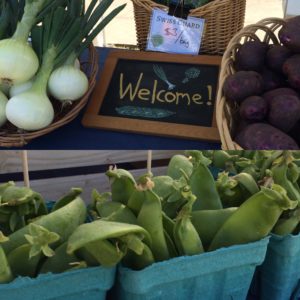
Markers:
206,200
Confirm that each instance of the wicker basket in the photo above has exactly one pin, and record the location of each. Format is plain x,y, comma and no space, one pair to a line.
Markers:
227,113
10,136
223,18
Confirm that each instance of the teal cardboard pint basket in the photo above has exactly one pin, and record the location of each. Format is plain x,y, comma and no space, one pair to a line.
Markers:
222,274
278,278
84,284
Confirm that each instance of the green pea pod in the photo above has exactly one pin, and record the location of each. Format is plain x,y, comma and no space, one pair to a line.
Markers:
208,222
150,218
62,221
104,252
221,159
293,172
163,186
171,209
288,225
229,190
75,192
5,271
204,188
122,184
4,186
279,174
254,219
179,165
171,245
20,262
168,224
102,230
116,211
133,242
247,182
139,262
267,163
136,200
14,195
186,237
60,262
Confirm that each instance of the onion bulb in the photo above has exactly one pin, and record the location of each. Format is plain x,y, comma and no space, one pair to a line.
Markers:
30,110
18,61
20,88
67,83
3,103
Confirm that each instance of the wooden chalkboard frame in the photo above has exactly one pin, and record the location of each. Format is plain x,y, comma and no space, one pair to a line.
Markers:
93,119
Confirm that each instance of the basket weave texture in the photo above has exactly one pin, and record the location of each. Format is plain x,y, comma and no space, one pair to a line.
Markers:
10,136
223,19
227,113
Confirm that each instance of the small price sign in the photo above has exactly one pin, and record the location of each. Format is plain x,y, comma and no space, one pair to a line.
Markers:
175,35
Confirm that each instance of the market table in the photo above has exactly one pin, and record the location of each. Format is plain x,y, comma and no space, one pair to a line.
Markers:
75,136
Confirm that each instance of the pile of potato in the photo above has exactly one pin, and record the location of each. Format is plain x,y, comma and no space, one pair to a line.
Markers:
266,89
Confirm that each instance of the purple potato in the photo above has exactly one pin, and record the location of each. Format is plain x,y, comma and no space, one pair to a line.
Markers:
272,80
291,68
251,56
281,91
289,34
261,136
284,112
254,108
292,64
276,56
242,85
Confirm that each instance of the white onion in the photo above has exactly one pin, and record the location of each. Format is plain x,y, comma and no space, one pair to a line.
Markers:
20,88
18,61
3,103
68,83
30,110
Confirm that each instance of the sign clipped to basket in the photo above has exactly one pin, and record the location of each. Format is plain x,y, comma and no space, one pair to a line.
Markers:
174,35
157,93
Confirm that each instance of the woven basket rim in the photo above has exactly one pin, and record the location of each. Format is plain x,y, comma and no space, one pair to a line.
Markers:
199,11
20,139
267,25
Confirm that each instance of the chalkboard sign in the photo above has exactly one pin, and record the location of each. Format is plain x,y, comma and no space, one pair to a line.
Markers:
157,93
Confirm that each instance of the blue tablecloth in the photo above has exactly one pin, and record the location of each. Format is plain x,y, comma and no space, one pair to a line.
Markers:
74,136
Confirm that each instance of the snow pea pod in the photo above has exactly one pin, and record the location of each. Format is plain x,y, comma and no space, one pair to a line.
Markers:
139,262
102,230
279,174
104,252
179,165
5,271
75,192
254,219
203,186
163,186
122,184
186,237
116,211
62,221
150,218
60,262
287,225
20,262
208,222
